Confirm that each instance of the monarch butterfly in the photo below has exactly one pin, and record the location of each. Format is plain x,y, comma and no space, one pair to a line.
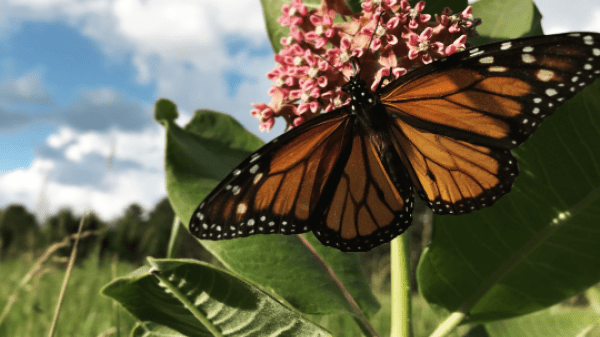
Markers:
444,129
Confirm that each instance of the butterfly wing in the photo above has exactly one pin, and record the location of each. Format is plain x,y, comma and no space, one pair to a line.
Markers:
371,202
326,175
453,176
277,188
457,118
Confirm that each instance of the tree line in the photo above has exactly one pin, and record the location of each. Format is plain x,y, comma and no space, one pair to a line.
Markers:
137,233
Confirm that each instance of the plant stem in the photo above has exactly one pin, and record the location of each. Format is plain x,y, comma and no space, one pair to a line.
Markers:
174,235
63,288
360,318
400,296
448,325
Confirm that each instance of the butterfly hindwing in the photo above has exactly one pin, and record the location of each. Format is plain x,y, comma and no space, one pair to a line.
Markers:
453,176
371,203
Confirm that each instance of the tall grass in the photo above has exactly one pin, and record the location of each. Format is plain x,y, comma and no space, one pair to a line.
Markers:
84,311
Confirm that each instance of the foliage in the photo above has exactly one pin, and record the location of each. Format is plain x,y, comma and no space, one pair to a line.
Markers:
535,248
19,231
532,250
85,311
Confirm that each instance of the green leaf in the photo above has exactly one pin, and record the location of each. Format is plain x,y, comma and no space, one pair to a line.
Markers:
506,19
545,323
151,329
539,244
268,260
197,158
191,291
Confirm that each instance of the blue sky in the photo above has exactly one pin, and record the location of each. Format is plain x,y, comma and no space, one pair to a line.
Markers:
78,79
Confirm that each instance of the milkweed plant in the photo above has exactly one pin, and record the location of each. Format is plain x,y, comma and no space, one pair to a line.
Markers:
275,285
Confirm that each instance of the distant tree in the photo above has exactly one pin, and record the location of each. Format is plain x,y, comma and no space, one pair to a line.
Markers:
124,238
65,223
60,225
157,231
19,231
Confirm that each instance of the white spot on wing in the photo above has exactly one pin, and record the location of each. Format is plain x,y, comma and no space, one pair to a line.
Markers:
545,75
476,52
497,69
528,49
486,60
527,58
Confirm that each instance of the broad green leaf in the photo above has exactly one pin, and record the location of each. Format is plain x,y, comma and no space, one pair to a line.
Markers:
282,263
506,19
539,244
195,291
545,323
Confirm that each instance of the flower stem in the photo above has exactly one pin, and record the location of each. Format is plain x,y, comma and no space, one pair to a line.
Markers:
400,297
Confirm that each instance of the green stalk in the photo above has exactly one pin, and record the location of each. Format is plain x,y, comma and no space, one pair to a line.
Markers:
174,235
400,297
448,325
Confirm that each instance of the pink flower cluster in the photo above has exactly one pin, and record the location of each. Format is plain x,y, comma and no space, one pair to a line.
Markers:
387,37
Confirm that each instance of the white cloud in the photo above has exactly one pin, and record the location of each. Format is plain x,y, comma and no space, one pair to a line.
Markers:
103,109
28,88
179,44
158,25
64,136
106,191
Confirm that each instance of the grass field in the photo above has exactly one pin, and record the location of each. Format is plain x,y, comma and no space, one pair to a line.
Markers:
85,312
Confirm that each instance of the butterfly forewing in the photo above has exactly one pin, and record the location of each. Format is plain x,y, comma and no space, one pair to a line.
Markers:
498,94
275,190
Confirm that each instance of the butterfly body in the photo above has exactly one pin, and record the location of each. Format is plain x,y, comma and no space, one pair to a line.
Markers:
444,130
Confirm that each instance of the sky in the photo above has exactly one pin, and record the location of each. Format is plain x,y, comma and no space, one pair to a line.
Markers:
78,80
